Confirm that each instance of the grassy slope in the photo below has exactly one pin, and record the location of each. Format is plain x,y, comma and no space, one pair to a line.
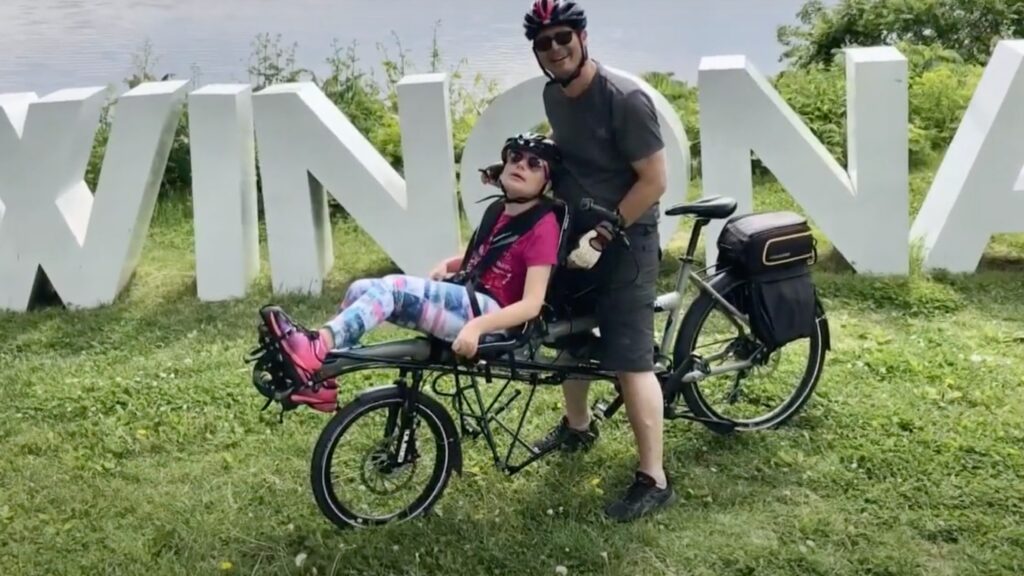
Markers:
132,444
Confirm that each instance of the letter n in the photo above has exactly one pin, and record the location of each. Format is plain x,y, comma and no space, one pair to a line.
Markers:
864,213
305,144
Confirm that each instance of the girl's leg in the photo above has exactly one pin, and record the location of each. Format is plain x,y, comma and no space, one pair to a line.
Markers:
440,309
368,303
437,308
357,289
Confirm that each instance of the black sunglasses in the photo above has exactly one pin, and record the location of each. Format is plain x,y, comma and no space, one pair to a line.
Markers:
544,43
531,161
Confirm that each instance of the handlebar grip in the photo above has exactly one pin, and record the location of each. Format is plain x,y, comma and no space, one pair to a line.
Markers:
588,205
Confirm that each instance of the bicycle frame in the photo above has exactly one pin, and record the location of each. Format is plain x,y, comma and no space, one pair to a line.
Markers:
420,355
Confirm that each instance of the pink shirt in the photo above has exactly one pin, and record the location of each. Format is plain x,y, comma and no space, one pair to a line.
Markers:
506,280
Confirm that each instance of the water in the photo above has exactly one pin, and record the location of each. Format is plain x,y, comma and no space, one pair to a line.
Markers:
51,44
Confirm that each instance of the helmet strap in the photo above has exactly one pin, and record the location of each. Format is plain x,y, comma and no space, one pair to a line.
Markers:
511,200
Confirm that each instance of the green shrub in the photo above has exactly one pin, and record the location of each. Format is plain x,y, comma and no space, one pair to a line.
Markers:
940,87
683,98
970,28
818,95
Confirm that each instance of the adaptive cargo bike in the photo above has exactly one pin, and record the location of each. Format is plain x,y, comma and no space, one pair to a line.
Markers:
760,286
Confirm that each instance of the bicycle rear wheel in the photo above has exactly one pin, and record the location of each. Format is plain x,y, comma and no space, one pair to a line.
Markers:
767,394
387,462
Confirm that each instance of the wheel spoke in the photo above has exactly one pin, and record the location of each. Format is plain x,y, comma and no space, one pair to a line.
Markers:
364,483
763,395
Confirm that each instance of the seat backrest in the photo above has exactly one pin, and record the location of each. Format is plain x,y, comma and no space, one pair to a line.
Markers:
554,294
561,211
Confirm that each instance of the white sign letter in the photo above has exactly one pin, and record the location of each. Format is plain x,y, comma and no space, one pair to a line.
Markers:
522,107
224,190
88,246
973,194
303,139
865,213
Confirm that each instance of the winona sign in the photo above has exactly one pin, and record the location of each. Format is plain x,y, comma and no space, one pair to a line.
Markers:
89,244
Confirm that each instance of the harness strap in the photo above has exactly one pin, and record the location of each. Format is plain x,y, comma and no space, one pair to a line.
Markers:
500,242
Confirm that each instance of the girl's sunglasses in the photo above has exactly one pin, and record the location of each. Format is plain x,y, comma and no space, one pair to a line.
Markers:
532,161
544,43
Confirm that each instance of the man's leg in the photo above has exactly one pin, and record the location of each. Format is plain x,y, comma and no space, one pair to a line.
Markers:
626,316
576,430
577,408
642,398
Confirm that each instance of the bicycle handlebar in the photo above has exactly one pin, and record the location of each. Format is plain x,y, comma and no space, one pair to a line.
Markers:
588,205
613,218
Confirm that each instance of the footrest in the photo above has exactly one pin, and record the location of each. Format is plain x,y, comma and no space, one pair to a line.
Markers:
272,375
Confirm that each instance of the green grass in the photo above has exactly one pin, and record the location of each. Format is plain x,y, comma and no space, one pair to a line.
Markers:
133,444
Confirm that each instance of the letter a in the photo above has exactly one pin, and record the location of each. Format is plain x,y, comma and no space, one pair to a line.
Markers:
973,193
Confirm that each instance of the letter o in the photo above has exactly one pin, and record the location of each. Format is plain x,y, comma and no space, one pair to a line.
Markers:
521,107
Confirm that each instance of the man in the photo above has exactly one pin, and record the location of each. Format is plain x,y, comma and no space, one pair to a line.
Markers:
612,149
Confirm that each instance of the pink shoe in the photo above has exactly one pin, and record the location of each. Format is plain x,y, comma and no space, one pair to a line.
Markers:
325,399
306,349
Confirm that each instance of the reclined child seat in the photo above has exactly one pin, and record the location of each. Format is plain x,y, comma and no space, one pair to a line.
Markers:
513,337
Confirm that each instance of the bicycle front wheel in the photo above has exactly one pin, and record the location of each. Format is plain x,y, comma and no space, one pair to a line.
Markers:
369,468
765,395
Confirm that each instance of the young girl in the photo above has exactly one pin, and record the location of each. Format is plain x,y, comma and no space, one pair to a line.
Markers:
510,293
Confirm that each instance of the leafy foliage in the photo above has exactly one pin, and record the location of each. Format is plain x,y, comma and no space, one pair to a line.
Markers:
971,29
370,104
941,85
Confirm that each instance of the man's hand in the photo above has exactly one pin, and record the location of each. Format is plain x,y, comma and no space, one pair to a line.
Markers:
586,254
466,342
605,234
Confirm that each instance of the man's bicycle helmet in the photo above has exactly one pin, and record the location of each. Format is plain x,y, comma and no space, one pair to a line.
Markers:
545,13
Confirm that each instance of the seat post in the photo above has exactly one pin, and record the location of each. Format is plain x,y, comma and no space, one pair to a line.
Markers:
691,248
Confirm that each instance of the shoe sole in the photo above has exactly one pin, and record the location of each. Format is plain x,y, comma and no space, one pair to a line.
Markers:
270,316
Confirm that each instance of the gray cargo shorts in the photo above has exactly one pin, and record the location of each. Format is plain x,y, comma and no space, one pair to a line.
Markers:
620,290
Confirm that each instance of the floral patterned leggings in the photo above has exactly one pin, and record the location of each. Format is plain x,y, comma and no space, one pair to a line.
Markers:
440,309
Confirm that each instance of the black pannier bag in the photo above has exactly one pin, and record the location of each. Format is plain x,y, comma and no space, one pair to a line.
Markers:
774,252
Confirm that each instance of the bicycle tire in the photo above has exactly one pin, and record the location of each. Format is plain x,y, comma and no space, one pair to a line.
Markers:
446,442
689,330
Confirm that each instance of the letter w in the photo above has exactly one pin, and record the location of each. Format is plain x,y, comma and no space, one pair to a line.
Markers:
87,246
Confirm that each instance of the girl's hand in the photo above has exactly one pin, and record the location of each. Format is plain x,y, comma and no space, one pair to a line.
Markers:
466,343
440,272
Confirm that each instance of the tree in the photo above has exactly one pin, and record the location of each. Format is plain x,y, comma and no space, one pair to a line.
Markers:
971,28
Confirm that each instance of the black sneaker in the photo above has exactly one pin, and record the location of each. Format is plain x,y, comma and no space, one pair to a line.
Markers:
567,439
641,498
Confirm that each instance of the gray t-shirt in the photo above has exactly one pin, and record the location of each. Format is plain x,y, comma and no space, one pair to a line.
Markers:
600,132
